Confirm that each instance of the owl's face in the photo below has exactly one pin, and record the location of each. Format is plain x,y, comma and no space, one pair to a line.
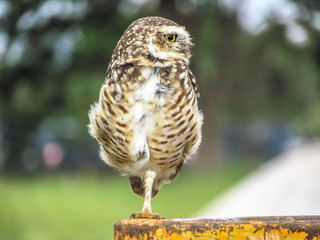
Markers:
170,42
153,40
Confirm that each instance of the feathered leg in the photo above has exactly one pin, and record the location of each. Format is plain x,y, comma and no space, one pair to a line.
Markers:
148,180
149,177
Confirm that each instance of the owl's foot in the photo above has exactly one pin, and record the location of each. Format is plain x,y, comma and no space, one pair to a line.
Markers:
145,215
147,183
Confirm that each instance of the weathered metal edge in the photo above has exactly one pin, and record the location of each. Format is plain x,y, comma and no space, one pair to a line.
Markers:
274,227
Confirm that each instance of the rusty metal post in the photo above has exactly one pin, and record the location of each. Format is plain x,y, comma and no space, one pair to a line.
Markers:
267,228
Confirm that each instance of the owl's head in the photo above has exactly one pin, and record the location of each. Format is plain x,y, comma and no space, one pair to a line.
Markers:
155,39
170,42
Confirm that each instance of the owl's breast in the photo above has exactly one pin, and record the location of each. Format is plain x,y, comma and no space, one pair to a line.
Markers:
154,122
152,91
171,120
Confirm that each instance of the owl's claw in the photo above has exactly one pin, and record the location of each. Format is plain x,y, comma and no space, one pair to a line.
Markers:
144,215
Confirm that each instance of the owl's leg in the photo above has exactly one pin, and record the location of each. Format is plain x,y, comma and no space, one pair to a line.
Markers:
148,180
149,177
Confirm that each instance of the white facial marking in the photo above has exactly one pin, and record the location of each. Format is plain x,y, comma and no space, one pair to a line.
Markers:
164,55
180,31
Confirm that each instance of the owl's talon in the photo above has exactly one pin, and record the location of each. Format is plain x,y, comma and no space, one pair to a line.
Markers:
159,217
143,215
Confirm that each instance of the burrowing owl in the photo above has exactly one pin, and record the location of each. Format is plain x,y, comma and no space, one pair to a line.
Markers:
147,121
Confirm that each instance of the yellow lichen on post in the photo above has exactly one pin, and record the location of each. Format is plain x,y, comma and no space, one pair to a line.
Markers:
252,228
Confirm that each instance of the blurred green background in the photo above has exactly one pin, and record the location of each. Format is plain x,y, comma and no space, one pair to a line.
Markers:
258,67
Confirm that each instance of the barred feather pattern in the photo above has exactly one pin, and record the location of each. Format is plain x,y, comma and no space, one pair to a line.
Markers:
147,116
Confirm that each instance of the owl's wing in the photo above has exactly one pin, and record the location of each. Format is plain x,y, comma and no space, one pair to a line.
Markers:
194,84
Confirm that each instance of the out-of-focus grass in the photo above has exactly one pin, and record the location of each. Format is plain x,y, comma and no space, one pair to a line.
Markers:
86,206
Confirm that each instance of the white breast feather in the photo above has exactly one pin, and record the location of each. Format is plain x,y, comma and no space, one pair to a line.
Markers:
146,92
143,119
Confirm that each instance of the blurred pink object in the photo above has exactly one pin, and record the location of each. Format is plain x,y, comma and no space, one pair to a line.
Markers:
52,154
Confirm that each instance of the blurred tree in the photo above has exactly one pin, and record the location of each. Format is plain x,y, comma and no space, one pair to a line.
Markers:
40,39
247,77
54,53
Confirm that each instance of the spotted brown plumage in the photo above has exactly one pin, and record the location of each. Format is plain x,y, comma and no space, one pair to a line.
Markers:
147,121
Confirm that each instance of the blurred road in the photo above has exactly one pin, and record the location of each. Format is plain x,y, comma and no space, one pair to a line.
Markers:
289,184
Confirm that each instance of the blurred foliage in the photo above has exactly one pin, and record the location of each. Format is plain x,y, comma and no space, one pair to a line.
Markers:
86,206
55,53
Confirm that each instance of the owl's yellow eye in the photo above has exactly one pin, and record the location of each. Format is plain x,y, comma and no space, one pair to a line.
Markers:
170,37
